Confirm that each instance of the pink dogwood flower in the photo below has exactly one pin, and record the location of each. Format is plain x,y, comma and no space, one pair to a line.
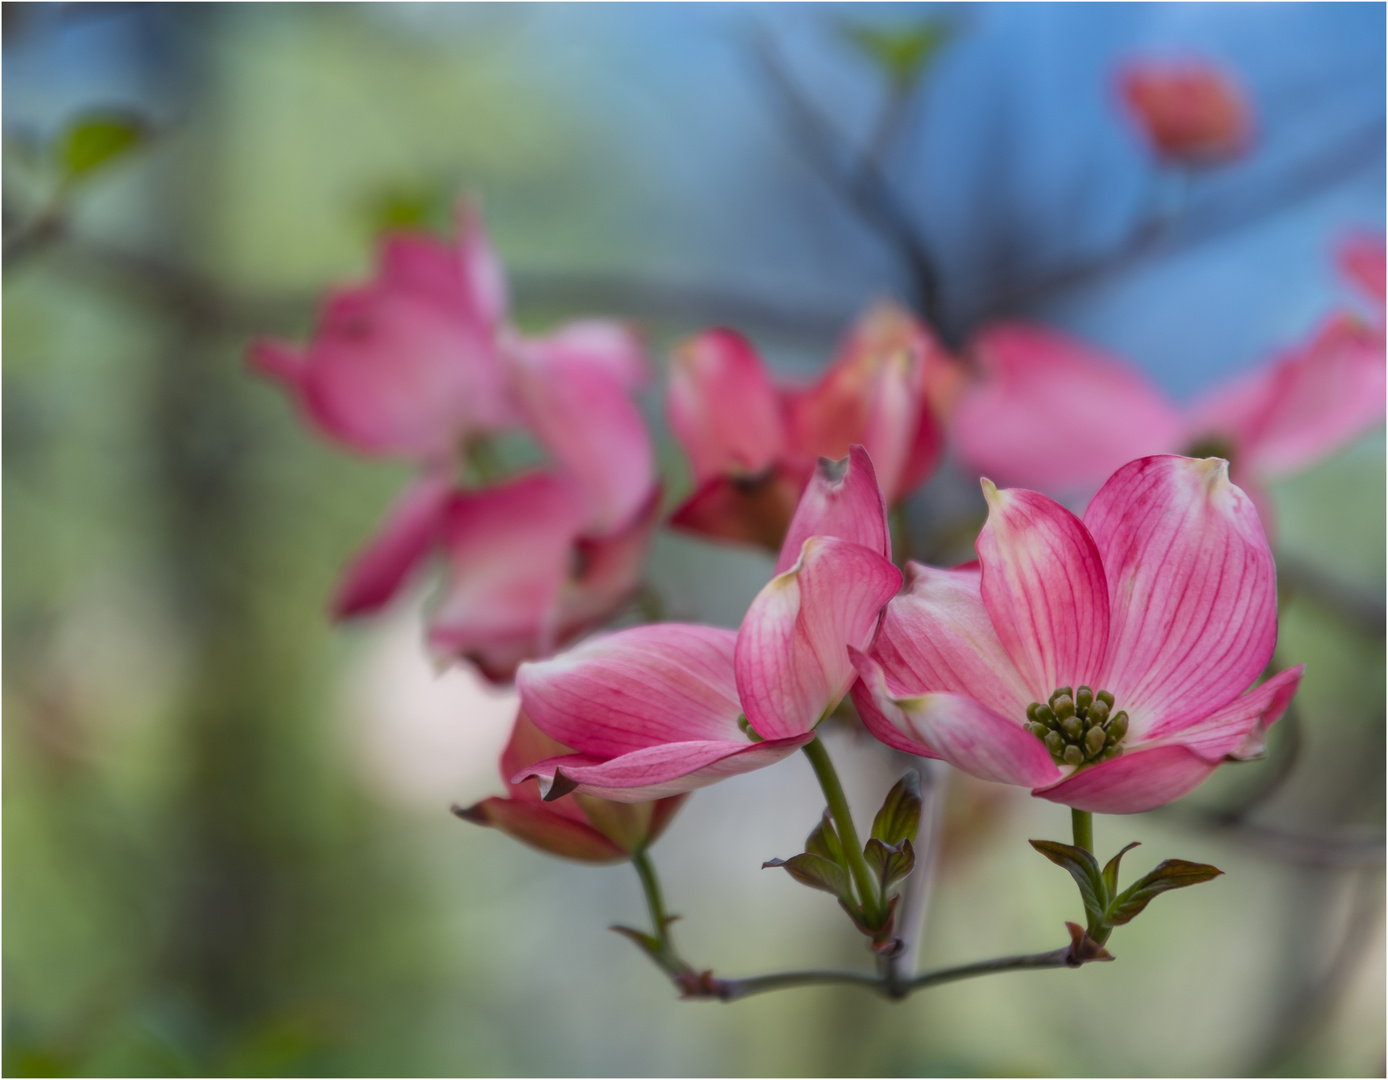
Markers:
1104,663
752,444
1191,112
406,365
662,709
1275,421
584,828
422,363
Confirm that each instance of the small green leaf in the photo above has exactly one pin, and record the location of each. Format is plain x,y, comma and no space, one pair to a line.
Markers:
890,864
900,815
815,871
824,841
1085,870
649,945
902,53
1111,869
1171,874
94,140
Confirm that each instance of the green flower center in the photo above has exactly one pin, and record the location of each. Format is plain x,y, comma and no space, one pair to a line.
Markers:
1078,726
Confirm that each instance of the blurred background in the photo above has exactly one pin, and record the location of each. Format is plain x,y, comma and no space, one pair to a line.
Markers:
227,846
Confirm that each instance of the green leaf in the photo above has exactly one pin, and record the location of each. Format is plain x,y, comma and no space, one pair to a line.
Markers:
97,139
406,206
1171,874
825,842
901,53
648,944
1085,870
900,815
1111,869
890,864
817,872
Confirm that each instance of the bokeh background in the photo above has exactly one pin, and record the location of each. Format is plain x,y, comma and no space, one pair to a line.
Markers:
227,847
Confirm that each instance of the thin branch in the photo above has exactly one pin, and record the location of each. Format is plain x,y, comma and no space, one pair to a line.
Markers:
1204,220
733,989
862,182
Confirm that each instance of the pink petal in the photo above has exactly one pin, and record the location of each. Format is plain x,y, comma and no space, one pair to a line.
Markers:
647,686
584,417
1237,730
722,407
1361,259
608,572
535,823
508,550
614,348
1044,588
1136,781
378,572
792,650
483,276
874,394
658,772
1055,414
393,372
842,500
953,727
1193,586
752,510
1312,402
936,636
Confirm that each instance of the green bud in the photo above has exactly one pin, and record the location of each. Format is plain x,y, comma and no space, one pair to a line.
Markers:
1064,691
1073,726
1045,714
1031,710
1105,697
1073,755
1038,729
1094,741
1084,697
1098,712
1064,706
1055,743
1118,727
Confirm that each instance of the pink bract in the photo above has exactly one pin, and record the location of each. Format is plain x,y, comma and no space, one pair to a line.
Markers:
584,828
669,707
752,444
1164,596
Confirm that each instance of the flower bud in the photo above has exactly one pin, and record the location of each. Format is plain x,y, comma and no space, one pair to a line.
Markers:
1073,726
1045,715
1064,691
1073,755
1094,741
1118,727
1084,697
1055,743
1038,729
1064,706
1098,712
1105,697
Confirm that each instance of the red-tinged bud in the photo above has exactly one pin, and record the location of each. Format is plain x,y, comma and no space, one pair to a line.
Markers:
583,827
1191,112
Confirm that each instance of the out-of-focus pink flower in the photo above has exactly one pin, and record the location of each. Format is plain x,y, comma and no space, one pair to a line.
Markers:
422,363
1273,422
752,444
1361,258
1191,112
666,708
1105,663
523,575
406,365
1052,413
585,828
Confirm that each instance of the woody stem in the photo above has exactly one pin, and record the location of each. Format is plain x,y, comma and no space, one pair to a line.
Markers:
848,834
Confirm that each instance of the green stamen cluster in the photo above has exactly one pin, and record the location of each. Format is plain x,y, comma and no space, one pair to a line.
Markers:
1077,727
